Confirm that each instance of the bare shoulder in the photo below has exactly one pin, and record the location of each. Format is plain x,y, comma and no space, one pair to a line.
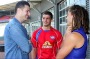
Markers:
73,37
70,40
76,36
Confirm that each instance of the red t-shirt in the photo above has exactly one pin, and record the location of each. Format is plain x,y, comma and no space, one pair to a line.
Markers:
47,44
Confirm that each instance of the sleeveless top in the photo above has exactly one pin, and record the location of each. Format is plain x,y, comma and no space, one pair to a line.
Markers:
79,53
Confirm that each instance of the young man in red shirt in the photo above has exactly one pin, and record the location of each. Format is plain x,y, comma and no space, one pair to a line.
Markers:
46,40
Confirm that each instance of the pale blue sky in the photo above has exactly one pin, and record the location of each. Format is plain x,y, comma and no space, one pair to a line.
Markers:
3,2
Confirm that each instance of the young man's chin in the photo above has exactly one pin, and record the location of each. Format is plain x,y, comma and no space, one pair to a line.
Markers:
46,25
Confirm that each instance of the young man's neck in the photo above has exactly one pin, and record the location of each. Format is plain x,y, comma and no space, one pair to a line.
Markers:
46,28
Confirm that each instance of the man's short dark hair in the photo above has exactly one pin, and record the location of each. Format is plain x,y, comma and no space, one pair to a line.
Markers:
21,4
48,13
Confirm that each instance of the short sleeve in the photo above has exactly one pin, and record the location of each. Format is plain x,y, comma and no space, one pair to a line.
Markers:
59,40
33,40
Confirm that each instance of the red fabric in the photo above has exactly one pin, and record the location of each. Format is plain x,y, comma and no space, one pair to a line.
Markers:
4,18
33,39
48,43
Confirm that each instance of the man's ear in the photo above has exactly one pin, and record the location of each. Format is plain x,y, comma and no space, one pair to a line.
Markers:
19,10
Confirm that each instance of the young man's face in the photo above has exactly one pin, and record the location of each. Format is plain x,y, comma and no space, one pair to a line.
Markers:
25,12
46,19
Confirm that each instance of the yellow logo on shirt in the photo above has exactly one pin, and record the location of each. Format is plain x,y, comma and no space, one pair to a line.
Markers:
47,44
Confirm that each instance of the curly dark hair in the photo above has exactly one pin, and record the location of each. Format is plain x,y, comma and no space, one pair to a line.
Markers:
80,17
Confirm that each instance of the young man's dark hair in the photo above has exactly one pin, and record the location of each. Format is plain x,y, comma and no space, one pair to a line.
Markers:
48,13
21,4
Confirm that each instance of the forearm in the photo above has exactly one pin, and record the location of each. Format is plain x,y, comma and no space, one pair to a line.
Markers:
33,53
61,54
58,56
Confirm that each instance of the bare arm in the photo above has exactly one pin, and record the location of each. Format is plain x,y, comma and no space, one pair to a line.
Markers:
33,53
67,46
